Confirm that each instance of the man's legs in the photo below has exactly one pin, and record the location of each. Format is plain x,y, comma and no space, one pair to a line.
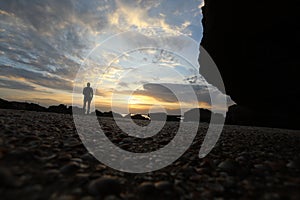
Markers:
84,105
89,105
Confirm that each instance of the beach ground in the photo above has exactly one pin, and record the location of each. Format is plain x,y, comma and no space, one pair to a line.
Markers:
42,157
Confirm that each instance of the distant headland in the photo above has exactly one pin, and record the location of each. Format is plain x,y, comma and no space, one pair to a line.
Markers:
236,115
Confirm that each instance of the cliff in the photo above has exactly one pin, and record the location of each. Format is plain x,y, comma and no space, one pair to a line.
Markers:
255,46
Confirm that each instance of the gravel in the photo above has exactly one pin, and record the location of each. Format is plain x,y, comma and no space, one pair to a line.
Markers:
42,157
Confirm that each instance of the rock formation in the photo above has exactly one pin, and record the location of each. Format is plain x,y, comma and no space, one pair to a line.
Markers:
256,48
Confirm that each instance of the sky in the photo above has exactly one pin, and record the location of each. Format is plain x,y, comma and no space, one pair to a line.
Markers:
131,52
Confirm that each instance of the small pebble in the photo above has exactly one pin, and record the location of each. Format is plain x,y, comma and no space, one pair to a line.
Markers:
230,166
147,190
70,168
7,179
164,186
105,186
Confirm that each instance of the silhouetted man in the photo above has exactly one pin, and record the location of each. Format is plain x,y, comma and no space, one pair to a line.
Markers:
88,96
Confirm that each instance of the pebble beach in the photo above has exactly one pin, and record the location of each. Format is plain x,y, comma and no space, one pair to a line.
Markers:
42,157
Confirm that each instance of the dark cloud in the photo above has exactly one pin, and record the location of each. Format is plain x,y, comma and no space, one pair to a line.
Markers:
43,41
102,93
123,84
10,84
49,35
157,91
37,78
41,14
163,93
203,93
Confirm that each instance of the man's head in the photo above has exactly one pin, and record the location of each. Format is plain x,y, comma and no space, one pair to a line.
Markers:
88,84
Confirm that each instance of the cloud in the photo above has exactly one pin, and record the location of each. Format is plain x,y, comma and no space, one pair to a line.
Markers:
162,93
123,84
43,43
104,92
3,12
15,85
49,35
144,14
45,80
46,101
157,91
128,15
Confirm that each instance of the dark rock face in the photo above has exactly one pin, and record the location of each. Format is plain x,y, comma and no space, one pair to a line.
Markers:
60,109
21,106
158,116
256,48
136,116
193,115
240,115
164,117
173,118
205,115
106,114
